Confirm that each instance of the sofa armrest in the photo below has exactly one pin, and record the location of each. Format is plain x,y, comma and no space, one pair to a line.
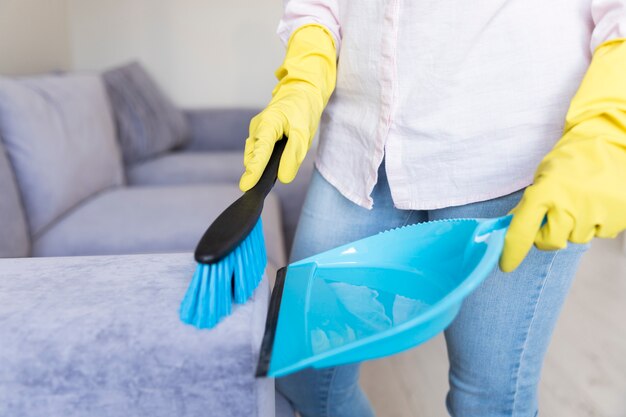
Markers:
218,129
100,336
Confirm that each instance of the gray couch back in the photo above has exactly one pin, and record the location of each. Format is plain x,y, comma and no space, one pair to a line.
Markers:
14,235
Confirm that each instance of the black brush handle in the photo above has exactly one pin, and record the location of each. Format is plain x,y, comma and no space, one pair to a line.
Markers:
237,221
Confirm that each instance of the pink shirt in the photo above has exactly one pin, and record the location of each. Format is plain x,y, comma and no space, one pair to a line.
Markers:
462,98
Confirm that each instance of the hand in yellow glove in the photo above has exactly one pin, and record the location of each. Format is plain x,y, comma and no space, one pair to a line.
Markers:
306,81
581,184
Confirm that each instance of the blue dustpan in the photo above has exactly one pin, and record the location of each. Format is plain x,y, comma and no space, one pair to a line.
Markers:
376,296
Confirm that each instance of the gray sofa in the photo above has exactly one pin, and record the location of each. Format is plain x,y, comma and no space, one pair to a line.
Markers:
67,190
164,204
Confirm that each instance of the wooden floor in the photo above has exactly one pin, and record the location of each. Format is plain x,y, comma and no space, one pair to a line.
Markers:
585,370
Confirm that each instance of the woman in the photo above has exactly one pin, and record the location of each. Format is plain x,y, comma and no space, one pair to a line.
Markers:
448,109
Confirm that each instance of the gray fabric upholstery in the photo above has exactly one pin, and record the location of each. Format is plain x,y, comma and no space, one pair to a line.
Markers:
218,129
59,135
100,336
14,237
148,123
178,168
222,167
150,220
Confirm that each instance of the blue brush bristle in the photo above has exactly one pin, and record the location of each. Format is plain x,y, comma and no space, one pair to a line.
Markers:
214,287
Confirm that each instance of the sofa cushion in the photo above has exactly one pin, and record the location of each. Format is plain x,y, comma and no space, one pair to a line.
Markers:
14,238
148,123
188,168
227,167
131,220
59,134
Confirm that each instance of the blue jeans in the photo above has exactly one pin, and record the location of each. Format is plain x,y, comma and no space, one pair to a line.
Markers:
497,343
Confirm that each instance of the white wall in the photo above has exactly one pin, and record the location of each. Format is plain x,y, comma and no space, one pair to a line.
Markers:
202,52
33,36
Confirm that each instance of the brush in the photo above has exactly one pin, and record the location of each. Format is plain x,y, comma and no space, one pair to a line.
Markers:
231,254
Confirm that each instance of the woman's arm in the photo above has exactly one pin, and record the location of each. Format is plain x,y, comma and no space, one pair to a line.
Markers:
580,186
306,79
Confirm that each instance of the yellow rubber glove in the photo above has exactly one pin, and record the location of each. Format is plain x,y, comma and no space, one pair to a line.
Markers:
306,81
581,184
